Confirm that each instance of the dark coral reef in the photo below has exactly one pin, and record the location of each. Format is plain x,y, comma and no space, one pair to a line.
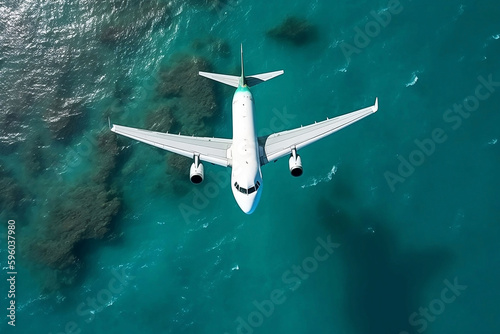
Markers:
65,119
34,159
295,30
83,213
214,46
191,103
162,119
11,196
193,97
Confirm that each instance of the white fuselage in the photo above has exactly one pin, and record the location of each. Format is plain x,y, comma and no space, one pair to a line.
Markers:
246,176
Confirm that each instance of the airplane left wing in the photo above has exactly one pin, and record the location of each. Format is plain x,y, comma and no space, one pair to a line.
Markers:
280,144
212,150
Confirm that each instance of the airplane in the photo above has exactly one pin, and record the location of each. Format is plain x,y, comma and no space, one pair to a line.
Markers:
245,153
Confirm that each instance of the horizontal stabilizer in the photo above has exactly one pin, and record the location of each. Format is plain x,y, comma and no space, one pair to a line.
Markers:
259,78
234,81
230,80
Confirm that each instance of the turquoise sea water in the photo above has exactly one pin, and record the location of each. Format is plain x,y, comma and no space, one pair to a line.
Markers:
393,228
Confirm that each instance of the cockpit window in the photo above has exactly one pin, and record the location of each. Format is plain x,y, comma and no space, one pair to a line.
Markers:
248,191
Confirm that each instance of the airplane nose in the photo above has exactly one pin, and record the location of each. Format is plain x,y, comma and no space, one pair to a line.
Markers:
247,205
247,202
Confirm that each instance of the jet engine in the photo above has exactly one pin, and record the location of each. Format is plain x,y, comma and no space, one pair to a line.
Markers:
196,173
295,164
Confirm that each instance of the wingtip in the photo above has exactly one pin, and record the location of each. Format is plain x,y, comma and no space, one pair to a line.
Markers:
376,105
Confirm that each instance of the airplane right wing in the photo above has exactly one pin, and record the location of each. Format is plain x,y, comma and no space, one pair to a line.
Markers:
281,144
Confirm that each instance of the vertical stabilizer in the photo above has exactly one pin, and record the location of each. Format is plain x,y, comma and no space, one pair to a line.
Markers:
242,79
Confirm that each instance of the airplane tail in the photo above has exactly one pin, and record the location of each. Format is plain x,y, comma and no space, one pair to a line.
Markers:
243,80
